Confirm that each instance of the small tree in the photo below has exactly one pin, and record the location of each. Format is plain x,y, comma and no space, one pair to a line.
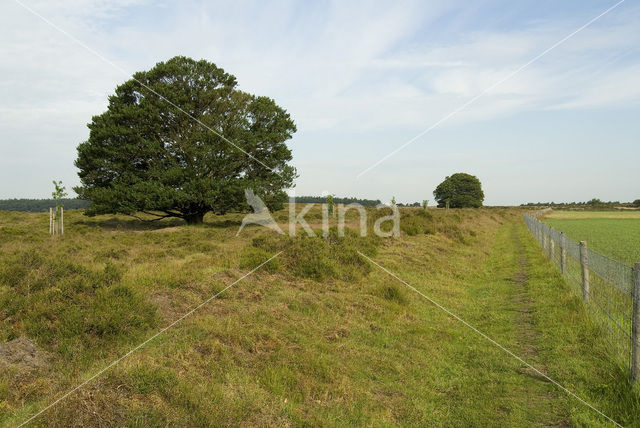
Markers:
636,203
425,203
59,193
393,201
330,204
55,219
459,191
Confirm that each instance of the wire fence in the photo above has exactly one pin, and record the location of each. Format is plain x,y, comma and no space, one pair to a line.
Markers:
609,288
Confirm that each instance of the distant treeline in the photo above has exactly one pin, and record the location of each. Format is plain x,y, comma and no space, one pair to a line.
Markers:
323,199
593,203
40,205
43,205
346,201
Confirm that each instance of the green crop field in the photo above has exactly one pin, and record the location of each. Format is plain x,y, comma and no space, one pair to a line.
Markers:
614,234
320,336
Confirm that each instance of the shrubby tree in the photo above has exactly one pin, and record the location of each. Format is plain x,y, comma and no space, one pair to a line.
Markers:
459,191
144,154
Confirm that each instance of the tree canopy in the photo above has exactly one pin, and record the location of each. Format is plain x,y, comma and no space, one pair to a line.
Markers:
181,140
459,191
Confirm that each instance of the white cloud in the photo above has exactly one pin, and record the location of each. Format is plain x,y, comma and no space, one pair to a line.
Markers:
618,87
337,67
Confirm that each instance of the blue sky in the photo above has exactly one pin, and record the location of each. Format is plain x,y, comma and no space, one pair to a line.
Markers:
360,79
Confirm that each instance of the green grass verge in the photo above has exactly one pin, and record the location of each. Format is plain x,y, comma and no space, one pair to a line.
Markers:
616,238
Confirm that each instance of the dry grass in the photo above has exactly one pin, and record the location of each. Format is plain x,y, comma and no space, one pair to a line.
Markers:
317,337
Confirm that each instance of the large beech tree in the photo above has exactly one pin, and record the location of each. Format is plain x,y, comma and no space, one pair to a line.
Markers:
180,140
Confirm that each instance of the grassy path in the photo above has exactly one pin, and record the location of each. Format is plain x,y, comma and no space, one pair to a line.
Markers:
506,288
568,347
497,300
539,397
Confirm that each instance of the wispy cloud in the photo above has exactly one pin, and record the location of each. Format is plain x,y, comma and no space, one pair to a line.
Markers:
357,73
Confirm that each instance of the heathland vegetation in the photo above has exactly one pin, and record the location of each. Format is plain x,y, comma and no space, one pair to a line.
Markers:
317,336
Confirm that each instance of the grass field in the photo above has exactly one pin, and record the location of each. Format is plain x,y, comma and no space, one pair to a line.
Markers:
634,214
615,234
318,336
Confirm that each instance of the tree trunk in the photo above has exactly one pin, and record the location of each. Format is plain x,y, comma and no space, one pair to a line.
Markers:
196,218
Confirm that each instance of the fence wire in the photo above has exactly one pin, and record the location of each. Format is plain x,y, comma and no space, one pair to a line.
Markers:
606,285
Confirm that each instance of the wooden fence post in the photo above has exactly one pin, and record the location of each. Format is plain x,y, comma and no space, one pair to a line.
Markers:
552,245
50,221
584,261
635,329
563,253
61,220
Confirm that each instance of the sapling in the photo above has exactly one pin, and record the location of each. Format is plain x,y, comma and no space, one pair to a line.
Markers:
58,194
330,204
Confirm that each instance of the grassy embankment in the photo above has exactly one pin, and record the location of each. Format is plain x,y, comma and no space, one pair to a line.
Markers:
612,233
318,336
